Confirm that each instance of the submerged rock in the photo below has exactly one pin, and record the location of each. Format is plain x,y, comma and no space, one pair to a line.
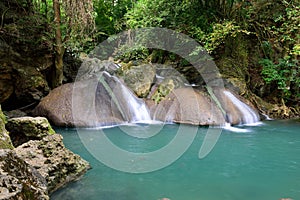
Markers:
53,161
19,180
23,129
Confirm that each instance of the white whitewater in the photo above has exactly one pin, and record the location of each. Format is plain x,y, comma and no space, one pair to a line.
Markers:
235,129
249,115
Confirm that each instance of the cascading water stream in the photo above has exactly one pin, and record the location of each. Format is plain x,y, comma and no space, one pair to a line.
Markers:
136,107
132,108
249,116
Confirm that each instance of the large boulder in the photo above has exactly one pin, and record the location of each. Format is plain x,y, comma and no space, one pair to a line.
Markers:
19,180
53,161
5,142
93,102
185,105
140,78
56,106
23,129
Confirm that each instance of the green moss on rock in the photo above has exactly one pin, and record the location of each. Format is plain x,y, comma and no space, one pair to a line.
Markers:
140,78
23,129
5,142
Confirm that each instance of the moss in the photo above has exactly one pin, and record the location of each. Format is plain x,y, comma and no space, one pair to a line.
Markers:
51,130
5,142
2,116
235,58
165,88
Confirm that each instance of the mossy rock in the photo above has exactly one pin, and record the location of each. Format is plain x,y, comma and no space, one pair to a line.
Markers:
19,180
166,87
140,78
235,58
23,129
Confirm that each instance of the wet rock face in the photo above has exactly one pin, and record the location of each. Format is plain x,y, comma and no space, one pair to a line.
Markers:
23,129
20,79
6,82
140,78
19,180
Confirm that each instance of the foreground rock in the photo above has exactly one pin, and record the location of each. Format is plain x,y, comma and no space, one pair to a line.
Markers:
37,167
53,161
19,180
23,129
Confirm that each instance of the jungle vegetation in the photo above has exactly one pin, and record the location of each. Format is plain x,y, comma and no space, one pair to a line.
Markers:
256,40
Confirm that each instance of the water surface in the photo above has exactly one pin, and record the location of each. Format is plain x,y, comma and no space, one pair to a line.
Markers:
260,163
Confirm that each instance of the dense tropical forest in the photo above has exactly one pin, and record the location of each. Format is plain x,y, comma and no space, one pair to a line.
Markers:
255,43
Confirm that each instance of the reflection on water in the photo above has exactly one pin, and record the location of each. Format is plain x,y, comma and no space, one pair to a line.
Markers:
263,163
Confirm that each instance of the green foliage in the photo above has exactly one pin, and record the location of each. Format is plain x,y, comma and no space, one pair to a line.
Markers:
219,34
127,54
288,29
109,16
156,13
285,74
195,18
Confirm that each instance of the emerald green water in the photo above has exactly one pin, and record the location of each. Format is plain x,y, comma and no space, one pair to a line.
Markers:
263,163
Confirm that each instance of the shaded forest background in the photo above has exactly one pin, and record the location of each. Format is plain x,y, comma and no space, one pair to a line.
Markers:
255,43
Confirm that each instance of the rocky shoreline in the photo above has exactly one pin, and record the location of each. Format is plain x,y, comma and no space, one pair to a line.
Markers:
33,161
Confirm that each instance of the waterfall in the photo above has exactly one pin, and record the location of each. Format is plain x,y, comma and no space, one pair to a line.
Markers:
249,115
136,107
131,107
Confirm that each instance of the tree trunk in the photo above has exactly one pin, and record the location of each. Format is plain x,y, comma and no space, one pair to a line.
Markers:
57,75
